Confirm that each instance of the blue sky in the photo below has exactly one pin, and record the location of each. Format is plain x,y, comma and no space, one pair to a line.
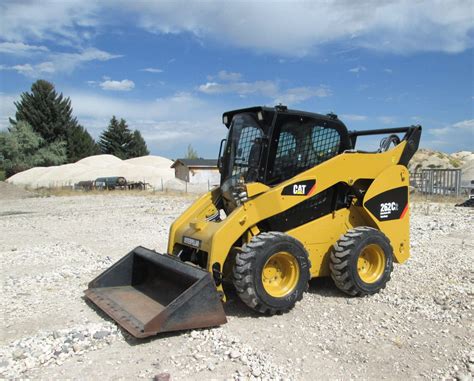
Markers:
171,68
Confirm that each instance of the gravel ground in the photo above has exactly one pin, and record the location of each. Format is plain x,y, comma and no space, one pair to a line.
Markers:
420,326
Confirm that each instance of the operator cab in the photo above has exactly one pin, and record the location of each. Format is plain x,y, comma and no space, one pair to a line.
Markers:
271,145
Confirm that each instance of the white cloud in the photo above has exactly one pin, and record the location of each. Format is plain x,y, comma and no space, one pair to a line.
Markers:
269,89
123,85
300,94
358,69
64,22
451,138
265,88
224,75
298,28
20,49
354,117
168,124
152,70
388,71
464,126
61,62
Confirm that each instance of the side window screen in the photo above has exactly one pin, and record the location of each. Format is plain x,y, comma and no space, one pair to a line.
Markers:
285,154
326,142
244,145
303,146
286,145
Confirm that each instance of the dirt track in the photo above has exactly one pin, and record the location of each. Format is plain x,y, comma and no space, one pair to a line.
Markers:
419,326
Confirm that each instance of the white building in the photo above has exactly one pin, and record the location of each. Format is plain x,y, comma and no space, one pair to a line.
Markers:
197,171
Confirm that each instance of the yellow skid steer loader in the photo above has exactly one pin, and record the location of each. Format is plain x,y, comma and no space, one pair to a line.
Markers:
296,201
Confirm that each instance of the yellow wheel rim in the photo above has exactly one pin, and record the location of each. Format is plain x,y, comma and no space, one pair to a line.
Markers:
371,263
280,274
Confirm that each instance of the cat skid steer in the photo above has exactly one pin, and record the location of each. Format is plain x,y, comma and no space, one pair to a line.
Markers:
297,200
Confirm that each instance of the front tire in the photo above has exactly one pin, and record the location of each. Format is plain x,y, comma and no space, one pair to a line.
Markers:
271,273
361,261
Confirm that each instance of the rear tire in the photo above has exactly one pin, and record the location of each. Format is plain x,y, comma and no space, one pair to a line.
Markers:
271,273
361,261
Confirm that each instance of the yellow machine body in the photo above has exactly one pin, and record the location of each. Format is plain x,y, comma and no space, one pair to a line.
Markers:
296,201
217,239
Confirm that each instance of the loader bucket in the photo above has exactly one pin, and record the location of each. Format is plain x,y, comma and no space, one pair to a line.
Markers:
147,293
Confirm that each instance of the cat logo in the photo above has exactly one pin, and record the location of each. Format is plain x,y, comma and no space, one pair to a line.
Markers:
301,188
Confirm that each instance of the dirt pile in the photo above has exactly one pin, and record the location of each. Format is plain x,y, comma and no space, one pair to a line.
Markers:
154,170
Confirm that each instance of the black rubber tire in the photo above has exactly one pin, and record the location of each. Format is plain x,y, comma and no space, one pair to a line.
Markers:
249,263
343,261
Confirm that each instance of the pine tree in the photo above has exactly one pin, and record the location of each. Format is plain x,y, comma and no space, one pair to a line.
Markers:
138,146
46,111
50,115
116,139
80,144
191,153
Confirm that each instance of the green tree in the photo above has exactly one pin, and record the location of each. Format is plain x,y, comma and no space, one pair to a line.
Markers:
80,144
49,113
116,139
191,153
138,146
21,148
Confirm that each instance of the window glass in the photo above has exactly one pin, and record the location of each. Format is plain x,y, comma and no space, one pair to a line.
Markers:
244,146
301,147
326,142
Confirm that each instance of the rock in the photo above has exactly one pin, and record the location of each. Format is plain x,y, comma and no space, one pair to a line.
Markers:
234,354
78,335
18,354
162,377
463,377
256,372
100,335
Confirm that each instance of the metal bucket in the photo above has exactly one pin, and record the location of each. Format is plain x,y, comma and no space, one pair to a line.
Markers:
147,293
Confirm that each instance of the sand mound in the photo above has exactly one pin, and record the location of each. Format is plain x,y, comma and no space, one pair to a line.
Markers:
100,161
154,170
153,161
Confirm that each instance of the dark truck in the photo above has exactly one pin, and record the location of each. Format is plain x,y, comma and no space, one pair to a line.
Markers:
111,183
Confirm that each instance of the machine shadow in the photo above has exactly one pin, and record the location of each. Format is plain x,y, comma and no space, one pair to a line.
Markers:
325,287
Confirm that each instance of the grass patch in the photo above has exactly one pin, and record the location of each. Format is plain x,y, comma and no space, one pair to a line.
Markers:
456,163
2,175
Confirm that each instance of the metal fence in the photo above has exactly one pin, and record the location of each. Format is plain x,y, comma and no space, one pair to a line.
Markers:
443,182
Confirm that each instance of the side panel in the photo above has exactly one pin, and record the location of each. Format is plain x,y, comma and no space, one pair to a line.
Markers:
386,202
